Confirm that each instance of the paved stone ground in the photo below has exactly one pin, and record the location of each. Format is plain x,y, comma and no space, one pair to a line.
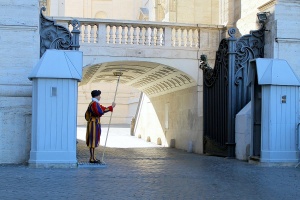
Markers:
151,173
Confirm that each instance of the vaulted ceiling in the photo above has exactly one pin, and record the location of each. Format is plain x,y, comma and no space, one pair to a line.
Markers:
152,78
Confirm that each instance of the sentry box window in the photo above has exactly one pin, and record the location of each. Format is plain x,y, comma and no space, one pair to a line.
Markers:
283,99
53,91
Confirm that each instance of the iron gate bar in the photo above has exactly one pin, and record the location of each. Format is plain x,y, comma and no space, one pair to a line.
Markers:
231,94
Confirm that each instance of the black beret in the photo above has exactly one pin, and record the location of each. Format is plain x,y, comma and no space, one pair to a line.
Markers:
95,93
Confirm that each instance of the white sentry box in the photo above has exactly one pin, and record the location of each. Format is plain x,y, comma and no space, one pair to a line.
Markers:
54,109
275,111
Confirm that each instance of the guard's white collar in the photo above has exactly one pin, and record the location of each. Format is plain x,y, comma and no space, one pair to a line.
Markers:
94,99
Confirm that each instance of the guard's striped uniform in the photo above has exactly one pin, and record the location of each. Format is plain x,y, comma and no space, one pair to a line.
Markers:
93,130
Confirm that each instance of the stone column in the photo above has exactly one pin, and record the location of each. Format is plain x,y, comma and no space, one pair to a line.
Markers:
19,52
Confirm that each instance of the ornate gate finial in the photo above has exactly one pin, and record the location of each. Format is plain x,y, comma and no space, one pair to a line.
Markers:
231,32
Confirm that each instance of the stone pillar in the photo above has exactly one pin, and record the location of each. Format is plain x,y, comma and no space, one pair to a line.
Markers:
54,109
283,39
226,15
18,56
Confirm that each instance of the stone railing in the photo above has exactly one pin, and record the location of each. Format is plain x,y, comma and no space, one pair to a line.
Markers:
117,32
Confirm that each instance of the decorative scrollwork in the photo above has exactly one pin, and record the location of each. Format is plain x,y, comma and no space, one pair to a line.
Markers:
248,47
55,36
211,74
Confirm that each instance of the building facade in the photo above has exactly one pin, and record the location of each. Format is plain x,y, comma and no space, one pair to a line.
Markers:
19,38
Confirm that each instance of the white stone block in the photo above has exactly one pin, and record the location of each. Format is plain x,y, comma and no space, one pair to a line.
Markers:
243,132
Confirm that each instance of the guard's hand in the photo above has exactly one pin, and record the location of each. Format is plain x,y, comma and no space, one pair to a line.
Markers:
113,104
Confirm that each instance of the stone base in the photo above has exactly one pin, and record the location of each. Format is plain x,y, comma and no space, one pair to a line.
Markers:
52,159
279,156
257,161
52,165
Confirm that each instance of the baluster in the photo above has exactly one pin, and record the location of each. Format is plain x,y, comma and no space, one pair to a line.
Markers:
180,37
161,37
173,37
96,33
152,39
177,37
123,33
147,36
111,37
195,38
158,42
92,34
117,35
141,42
184,37
129,38
135,41
86,33
139,30
189,39
156,36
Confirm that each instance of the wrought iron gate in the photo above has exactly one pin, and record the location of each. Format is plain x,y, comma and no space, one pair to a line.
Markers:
225,89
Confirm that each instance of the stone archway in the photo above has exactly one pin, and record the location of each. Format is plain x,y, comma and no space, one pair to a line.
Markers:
173,93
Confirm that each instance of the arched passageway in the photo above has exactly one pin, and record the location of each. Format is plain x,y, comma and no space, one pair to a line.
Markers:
167,114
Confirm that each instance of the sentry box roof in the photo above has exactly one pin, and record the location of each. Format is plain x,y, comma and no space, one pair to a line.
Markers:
272,72
59,64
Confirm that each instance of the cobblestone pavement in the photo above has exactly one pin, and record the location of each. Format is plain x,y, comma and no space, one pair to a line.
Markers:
151,173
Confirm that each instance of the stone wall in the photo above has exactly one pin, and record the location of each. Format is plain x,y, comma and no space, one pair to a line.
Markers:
19,39
247,18
113,9
178,118
284,34
184,11
127,99
198,12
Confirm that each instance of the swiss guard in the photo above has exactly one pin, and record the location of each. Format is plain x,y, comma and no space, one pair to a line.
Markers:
93,131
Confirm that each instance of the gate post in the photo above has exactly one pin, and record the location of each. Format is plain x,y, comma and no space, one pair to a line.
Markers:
231,94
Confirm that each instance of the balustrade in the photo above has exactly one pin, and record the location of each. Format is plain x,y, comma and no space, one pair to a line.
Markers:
115,32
